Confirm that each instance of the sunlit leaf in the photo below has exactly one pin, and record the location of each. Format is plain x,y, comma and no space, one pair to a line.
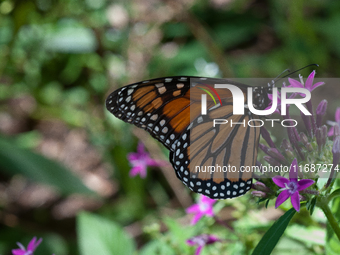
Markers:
97,235
308,235
157,247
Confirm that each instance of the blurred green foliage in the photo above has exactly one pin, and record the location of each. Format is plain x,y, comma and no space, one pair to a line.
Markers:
60,59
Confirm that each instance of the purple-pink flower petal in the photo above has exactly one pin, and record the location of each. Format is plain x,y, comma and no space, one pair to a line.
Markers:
139,169
337,115
18,252
203,207
33,244
153,162
309,81
304,184
318,84
295,83
308,84
209,212
207,200
283,196
331,131
196,218
132,156
193,209
198,250
280,181
295,199
140,148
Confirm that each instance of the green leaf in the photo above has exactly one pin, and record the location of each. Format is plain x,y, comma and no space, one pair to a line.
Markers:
273,235
308,235
15,160
288,246
97,235
157,247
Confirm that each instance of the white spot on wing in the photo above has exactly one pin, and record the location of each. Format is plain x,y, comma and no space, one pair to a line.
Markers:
154,117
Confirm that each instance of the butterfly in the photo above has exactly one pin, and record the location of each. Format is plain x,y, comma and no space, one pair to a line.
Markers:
170,110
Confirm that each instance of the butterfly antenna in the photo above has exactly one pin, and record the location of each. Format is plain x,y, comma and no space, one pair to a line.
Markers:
287,70
273,81
289,73
300,70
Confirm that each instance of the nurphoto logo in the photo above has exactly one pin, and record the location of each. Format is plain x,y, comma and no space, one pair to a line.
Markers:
238,100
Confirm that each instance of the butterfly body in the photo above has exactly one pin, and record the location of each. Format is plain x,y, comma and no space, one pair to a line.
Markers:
170,110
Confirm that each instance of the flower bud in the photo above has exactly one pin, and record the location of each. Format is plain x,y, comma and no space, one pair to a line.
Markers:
276,154
291,136
336,150
286,145
304,140
289,154
306,121
266,136
336,130
261,187
324,132
271,161
259,194
318,136
320,112
336,158
264,148
293,140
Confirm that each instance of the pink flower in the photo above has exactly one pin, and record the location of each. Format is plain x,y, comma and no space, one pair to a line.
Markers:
337,120
201,241
290,188
33,244
309,83
141,160
203,207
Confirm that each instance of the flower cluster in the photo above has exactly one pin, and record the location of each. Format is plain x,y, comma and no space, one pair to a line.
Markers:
310,148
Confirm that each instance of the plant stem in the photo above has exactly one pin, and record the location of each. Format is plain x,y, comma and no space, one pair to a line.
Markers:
323,204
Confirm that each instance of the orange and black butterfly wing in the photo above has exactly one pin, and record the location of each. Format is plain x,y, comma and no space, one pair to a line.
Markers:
203,146
160,106
170,110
